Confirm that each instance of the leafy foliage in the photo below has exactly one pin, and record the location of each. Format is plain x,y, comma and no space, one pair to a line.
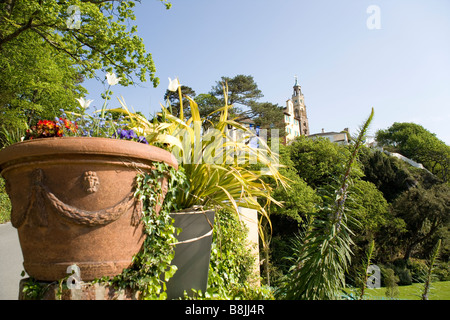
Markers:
231,270
103,38
242,90
417,143
386,173
268,116
44,56
431,264
318,161
391,280
298,200
219,169
5,203
35,82
207,105
33,290
324,254
424,213
369,207
243,94
151,267
363,272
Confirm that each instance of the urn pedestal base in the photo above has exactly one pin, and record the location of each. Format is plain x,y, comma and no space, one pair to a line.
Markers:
86,291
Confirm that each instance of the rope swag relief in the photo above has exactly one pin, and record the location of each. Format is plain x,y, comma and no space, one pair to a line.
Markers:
41,195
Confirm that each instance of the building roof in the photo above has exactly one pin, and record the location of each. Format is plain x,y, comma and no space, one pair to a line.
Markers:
332,136
325,133
245,120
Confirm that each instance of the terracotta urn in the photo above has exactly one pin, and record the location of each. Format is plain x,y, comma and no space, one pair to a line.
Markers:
73,203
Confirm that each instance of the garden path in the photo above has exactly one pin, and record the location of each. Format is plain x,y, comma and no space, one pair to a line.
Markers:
11,260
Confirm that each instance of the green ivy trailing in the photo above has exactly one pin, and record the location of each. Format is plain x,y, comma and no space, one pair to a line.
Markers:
151,267
32,289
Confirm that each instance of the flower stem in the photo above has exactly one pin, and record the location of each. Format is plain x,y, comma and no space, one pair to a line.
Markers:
181,102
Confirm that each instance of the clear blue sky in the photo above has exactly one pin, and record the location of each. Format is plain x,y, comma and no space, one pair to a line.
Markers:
344,68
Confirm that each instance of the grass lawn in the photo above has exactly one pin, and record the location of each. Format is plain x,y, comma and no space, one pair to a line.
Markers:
439,291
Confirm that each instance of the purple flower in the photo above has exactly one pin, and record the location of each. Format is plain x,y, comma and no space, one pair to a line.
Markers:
129,135
142,139
120,134
132,134
125,134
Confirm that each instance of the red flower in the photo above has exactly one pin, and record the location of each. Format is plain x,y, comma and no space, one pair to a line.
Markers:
71,126
49,128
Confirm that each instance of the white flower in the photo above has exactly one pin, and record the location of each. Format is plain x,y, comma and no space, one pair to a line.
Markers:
173,85
112,79
84,103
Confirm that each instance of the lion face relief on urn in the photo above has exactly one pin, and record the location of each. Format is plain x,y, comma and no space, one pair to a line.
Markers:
90,182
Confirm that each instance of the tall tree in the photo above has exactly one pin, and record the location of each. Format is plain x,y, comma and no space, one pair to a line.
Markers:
207,105
386,173
298,200
95,34
369,207
243,93
417,143
424,213
268,116
242,89
48,47
317,161
36,82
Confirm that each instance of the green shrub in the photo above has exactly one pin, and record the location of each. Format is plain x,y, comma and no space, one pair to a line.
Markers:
418,269
231,270
404,276
402,271
442,271
281,248
391,280
384,272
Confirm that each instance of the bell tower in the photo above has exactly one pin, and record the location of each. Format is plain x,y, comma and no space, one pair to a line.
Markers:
299,107
295,118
